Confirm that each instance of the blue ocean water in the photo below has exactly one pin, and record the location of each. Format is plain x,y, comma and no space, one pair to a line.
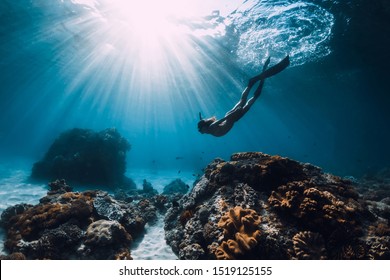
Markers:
149,67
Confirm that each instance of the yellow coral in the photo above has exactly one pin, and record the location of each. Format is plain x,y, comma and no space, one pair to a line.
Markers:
241,231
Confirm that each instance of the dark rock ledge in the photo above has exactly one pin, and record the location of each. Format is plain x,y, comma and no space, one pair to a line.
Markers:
255,206
77,225
258,206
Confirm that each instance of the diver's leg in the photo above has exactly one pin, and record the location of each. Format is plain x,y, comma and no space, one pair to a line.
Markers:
245,93
256,95
273,70
257,92
257,78
241,102
260,87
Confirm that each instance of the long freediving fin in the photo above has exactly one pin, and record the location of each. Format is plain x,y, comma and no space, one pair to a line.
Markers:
273,70
277,68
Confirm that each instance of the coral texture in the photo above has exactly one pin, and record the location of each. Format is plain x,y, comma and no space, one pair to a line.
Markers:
74,225
309,246
241,231
305,214
103,233
83,156
318,206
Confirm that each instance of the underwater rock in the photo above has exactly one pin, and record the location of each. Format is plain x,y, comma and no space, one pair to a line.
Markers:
149,211
106,233
376,187
176,186
147,187
82,156
108,208
73,225
161,202
290,210
12,211
59,186
13,256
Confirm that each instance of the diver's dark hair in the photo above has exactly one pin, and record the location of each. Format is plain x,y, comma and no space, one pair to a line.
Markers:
205,122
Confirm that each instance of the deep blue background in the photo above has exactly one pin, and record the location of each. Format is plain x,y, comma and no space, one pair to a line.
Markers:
332,112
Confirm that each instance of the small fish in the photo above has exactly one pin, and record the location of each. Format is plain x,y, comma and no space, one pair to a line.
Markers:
179,158
178,172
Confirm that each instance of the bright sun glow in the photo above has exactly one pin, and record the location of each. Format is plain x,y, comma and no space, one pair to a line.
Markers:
154,20
152,11
151,29
145,58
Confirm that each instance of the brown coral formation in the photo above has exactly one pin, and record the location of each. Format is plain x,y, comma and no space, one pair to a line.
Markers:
309,246
379,248
77,225
258,170
317,206
240,227
186,216
305,214
13,256
27,225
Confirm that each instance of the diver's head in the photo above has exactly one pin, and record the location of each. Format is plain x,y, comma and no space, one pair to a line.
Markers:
203,124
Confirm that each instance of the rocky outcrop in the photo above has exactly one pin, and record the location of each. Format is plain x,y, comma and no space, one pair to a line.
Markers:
74,225
176,186
255,206
258,206
85,157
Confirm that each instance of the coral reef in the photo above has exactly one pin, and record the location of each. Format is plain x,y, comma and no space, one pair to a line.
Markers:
258,206
13,256
176,186
105,237
82,156
74,225
240,228
375,190
315,206
148,188
309,246
254,206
